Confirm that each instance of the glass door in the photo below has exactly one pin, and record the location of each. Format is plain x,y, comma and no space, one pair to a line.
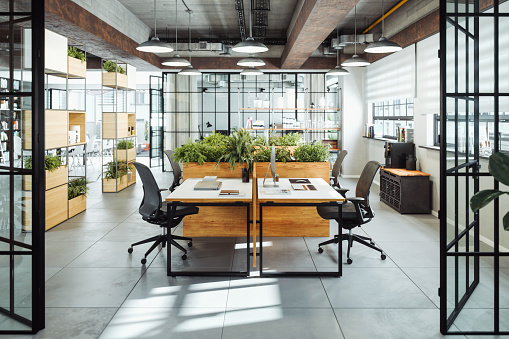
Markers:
155,123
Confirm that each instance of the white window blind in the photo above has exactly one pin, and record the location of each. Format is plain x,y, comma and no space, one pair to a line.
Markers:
428,75
392,77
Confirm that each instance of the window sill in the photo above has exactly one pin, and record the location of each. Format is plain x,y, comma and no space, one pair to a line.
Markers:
432,148
380,139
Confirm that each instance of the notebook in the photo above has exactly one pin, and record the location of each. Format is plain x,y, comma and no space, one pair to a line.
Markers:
207,185
299,181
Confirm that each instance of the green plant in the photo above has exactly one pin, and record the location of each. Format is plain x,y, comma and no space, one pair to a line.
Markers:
51,162
498,166
146,130
77,187
191,152
283,154
28,163
111,66
311,153
240,148
116,169
73,52
214,153
215,139
125,144
290,139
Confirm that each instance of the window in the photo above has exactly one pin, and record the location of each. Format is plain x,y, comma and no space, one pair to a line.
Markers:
391,114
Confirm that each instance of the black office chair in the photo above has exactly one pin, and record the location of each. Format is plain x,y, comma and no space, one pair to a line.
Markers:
334,182
177,172
356,212
153,211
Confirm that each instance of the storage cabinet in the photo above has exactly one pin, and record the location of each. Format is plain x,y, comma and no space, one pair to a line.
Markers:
405,191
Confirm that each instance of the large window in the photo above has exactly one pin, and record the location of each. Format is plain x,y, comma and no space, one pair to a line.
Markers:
390,115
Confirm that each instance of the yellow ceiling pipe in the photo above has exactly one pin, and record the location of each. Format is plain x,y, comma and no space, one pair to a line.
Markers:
389,12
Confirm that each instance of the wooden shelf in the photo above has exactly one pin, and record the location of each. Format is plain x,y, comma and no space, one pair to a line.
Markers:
78,118
289,109
114,80
76,69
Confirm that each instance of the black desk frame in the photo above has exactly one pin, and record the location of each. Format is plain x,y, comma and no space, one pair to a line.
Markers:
303,274
172,206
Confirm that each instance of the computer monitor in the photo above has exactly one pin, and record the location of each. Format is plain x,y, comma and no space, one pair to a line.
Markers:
272,167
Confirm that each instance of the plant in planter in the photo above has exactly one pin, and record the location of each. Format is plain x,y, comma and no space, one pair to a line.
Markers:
125,144
216,140
73,52
290,139
191,152
111,66
51,162
311,153
77,187
498,167
115,170
283,154
240,148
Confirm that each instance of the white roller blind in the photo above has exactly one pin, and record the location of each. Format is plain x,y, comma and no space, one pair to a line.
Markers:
428,75
392,77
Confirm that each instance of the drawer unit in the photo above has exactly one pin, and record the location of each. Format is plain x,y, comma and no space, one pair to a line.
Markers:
405,191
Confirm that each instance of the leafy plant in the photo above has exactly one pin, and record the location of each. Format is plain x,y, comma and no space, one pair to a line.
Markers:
215,139
191,152
27,163
311,153
283,154
498,166
77,187
125,144
240,148
146,130
214,153
51,162
116,169
73,52
290,139
111,66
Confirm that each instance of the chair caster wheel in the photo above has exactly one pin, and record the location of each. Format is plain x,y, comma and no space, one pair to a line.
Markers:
383,256
349,261
320,250
190,244
143,261
184,257
130,250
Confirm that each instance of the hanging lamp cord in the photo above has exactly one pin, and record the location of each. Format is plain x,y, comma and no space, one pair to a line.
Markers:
176,25
155,21
355,23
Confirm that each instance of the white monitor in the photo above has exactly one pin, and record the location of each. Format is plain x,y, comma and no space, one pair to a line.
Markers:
272,167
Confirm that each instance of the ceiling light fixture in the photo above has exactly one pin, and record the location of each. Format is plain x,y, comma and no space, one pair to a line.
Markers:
176,60
251,62
355,61
337,71
383,45
189,70
250,46
251,71
154,45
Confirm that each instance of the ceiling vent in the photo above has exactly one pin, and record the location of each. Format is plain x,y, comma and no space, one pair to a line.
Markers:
345,40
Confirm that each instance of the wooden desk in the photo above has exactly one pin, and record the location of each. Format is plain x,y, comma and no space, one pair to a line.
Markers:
281,209
185,195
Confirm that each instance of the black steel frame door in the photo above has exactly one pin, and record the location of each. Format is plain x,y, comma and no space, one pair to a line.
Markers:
155,123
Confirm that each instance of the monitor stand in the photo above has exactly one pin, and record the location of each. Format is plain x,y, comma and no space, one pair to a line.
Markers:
273,179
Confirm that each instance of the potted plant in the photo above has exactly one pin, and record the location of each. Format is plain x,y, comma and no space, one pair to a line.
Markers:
239,149
498,167
115,176
76,65
55,172
115,75
76,195
125,151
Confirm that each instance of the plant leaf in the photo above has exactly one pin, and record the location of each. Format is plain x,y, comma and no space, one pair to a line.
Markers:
506,221
483,198
499,167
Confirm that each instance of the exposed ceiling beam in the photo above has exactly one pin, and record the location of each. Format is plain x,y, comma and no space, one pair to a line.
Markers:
316,20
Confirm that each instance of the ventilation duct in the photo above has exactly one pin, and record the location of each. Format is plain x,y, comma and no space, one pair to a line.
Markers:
345,40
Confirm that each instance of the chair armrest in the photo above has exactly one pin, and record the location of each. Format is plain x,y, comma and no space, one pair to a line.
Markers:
341,191
163,189
355,199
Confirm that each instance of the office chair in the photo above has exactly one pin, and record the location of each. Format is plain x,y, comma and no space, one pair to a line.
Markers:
153,211
356,212
177,171
334,182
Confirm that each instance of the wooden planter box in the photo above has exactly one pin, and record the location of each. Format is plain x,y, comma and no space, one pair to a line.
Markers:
296,170
332,143
53,179
55,125
193,170
114,185
133,179
56,206
121,154
113,79
76,68
77,205
115,125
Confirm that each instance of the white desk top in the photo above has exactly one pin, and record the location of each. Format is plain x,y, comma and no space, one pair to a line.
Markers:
324,192
186,193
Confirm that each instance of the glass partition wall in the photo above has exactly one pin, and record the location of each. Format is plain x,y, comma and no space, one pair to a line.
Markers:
474,248
21,160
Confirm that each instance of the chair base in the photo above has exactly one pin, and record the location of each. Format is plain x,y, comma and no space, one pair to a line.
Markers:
161,239
350,237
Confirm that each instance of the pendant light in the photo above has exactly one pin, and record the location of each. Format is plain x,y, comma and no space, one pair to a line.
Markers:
251,62
189,70
250,46
176,60
383,45
154,45
251,71
337,71
355,61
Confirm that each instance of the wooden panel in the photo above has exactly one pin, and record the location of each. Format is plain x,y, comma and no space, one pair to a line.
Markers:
26,212
404,173
297,170
113,79
26,183
111,185
125,155
78,118
212,221
76,68
56,128
56,206
27,130
133,178
57,177
284,221
114,125
193,170
131,123
77,205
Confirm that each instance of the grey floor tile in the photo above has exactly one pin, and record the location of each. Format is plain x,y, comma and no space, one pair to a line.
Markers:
392,227
91,287
132,231
481,320
155,289
389,323
60,254
374,288
284,292
99,216
280,323
427,279
73,231
413,254
164,323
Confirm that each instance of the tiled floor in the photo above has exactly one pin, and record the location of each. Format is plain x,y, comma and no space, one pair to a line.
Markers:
95,289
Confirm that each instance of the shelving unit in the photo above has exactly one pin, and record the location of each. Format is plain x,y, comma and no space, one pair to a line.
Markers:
65,129
5,120
118,125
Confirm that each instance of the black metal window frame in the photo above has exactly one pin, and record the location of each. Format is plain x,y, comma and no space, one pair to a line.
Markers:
385,111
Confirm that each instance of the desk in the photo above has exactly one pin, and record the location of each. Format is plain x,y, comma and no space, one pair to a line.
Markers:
324,194
185,195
